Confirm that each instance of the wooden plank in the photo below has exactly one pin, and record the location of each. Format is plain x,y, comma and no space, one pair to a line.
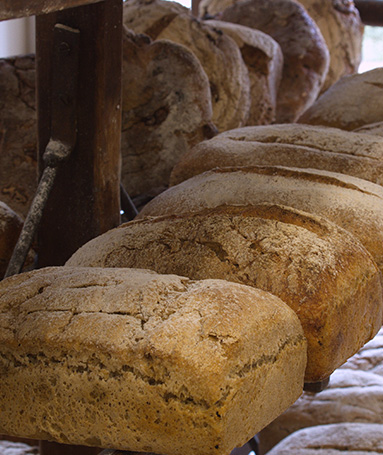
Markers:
371,11
11,9
85,198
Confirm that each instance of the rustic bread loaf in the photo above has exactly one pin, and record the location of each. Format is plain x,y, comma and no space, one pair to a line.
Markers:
130,359
350,103
264,60
10,228
369,358
219,55
18,140
353,438
351,396
320,270
342,29
352,203
301,146
166,109
372,128
305,54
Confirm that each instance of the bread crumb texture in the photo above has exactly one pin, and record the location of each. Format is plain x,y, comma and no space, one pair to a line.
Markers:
129,359
320,270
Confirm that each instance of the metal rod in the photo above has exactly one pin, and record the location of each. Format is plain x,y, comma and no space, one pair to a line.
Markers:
127,204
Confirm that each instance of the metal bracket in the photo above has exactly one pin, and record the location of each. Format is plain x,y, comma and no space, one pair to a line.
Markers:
63,134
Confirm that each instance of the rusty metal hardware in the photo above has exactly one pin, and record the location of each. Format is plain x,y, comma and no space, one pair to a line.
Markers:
63,135
127,204
316,387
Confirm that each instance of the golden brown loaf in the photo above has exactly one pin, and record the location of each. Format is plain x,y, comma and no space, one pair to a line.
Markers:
320,270
352,203
350,103
295,145
134,360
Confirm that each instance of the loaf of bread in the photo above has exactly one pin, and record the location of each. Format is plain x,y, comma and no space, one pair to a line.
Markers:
18,139
350,103
264,60
352,203
166,109
302,146
342,29
320,270
305,54
10,228
352,438
133,360
351,396
219,55
369,358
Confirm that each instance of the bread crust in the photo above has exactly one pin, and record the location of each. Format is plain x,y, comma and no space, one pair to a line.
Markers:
321,271
129,359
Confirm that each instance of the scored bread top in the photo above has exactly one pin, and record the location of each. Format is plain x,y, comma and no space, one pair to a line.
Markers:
352,203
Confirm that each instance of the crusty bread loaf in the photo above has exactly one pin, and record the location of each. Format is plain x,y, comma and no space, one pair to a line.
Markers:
350,103
264,60
130,359
305,54
369,358
18,139
342,29
352,203
10,227
219,55
320,270
352,438
166,109
302,146
372,128
351,396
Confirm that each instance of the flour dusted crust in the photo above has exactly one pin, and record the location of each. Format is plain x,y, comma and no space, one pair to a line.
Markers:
10,227
352,203
355,438
301,146
351,396
305,54
219,55
130,359
264,60
166,109
321,271
18,141
350,103
342,29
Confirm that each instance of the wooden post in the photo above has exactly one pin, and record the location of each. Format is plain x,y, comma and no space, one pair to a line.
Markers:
85,198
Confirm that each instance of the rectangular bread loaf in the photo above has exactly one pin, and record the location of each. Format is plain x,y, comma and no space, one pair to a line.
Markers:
319,269
133,360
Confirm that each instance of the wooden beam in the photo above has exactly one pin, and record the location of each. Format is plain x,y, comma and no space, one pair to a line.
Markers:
11,9
85,198
371,11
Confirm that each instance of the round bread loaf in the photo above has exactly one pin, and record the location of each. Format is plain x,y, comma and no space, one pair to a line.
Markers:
352,203
342,29
351,396
301,146
264,60
350,103
305,54
133,360
320,270
18,140
353,438
166,109
219,55
10,228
